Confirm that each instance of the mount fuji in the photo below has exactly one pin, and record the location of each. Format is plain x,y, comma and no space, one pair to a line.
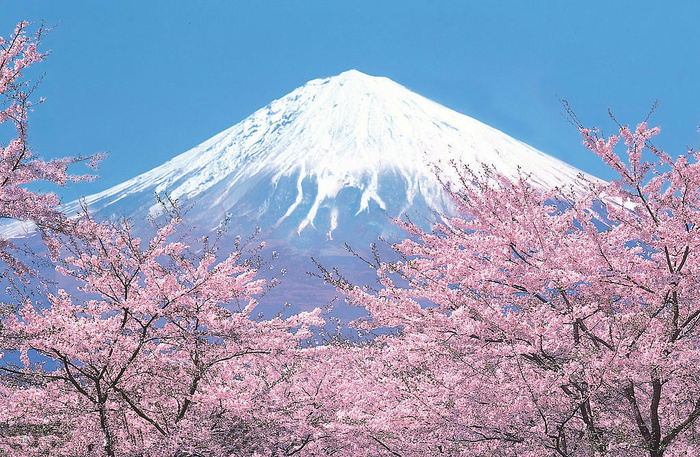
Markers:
331,162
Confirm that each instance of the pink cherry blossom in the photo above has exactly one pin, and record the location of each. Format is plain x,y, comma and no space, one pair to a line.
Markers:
534,324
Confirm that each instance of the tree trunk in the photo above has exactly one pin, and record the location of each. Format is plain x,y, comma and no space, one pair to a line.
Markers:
104,424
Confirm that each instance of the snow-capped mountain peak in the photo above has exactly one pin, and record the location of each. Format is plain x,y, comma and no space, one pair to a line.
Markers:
328,152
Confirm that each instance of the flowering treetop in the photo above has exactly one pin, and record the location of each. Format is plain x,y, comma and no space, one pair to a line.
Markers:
538,324
19,166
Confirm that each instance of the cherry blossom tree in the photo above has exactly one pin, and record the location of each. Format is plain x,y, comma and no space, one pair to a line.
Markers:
543,322
148,357
19,166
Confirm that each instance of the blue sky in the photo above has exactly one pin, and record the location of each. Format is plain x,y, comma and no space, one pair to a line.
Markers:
147,80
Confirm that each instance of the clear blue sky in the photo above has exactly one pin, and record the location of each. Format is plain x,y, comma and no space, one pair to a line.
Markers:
146,80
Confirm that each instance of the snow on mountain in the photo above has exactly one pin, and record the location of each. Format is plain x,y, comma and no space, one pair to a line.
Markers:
293,159
334,159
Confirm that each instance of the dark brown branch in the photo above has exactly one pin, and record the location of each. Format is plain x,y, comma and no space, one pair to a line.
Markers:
641,425
139,412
